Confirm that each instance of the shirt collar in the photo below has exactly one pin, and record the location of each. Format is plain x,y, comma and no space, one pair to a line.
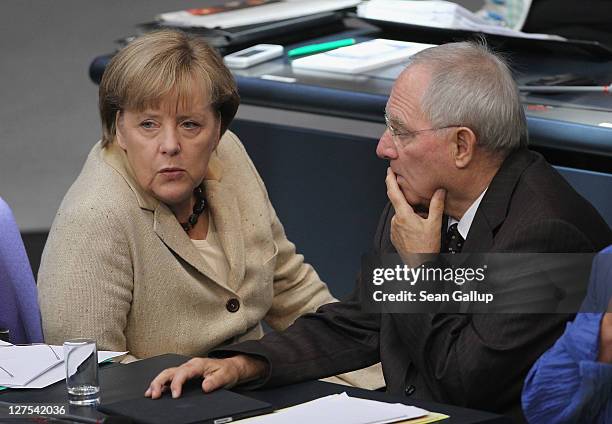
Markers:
466,220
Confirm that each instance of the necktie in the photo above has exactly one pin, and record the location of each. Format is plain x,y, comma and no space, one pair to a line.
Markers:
454,240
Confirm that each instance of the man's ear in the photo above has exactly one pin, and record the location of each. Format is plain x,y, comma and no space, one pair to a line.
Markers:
119,130
464,146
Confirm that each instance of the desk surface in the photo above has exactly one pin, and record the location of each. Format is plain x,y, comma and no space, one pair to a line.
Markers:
118,385
570,122
567,123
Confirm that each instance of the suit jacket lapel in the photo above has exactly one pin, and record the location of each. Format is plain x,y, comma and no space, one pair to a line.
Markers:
494,206
480,237
172,234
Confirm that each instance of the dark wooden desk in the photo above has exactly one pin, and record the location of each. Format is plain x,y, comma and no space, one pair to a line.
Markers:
116,384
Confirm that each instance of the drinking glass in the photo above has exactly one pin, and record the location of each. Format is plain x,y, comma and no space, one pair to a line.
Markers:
81,358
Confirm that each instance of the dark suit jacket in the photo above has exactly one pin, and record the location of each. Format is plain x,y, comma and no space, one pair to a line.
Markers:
478,361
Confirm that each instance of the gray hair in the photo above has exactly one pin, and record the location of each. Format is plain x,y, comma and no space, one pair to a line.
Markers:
473,87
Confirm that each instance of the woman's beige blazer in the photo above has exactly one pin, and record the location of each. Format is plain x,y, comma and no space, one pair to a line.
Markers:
119,268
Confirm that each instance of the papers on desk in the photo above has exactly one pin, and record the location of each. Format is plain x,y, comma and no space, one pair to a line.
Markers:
36,366
25,363
438,14
342,408
361,57
274,11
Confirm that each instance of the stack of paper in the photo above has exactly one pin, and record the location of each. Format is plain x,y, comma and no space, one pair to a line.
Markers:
342,408
438,14
36,366
275,11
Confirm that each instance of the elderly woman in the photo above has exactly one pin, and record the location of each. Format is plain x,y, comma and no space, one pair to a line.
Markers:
167,241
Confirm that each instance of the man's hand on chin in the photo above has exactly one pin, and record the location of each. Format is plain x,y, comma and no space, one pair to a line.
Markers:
414,231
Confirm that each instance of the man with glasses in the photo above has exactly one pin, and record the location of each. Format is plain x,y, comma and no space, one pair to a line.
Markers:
460,180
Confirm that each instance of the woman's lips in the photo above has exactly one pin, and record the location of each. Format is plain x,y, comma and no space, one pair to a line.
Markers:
172,173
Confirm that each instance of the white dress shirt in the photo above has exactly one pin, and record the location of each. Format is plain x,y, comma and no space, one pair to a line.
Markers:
466,220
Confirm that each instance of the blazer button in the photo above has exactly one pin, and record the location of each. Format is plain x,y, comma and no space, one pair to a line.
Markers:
233,305
409,390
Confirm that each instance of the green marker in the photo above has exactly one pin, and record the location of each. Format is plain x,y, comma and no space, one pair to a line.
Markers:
322,47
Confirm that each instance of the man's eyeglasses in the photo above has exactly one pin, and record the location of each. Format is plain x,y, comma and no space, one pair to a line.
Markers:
404,135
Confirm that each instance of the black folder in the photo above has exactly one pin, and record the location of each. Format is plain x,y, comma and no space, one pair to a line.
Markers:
194,406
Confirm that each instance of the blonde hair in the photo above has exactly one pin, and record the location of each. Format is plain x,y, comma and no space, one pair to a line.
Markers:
164,63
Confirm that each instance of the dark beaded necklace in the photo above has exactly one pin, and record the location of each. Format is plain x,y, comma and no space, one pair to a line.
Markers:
198,207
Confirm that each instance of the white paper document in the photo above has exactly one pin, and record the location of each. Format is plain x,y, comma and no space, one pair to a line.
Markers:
341,408
438,14
36,366
254,15
25,363
361,57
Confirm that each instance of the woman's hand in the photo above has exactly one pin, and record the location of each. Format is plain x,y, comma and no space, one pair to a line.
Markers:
217,373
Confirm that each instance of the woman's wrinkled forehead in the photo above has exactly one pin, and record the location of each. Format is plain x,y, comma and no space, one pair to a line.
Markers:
183,93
